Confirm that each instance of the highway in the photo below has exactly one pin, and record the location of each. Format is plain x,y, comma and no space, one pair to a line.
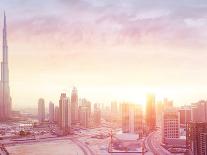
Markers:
152,143
86,150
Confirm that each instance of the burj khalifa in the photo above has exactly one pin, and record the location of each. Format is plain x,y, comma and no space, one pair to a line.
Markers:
5,99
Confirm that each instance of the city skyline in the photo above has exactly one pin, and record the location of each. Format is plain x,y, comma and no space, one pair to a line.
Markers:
107,55
89,77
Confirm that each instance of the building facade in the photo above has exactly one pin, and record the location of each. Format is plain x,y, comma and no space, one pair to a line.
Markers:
170,125
185,115
196,138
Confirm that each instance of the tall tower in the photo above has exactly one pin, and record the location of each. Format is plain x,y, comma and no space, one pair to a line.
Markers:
74,106
5,102
41,110
150,112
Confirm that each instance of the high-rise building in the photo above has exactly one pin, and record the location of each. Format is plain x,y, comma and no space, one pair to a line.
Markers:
57,115
131,118
170,125
41,110
97,115
51,112
185,115
86,103
196,138
114,107
74,106
84,117
159,110
64,114
150,112
5,98
199,111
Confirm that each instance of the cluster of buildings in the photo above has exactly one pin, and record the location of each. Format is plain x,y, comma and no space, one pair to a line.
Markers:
188,121
183,127
133,120
71,111
196,129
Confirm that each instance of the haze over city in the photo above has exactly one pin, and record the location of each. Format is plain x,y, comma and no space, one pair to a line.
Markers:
108,55
88,77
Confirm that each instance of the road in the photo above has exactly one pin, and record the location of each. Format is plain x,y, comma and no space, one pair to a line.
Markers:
84,147
152,143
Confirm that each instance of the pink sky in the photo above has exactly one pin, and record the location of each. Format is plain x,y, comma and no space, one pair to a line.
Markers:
108,49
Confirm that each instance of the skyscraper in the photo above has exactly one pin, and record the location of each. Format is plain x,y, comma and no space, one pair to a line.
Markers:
185,115
5,99
57,114
74,105
84,117
64,113
51,112
114,107
97,115
131,118
86,103
41,110
150,112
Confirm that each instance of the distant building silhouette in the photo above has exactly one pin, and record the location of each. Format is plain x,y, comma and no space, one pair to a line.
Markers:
97,115
114,107
84,102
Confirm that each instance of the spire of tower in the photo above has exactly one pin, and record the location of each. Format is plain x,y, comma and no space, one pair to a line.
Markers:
5,101
4,18
5,50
